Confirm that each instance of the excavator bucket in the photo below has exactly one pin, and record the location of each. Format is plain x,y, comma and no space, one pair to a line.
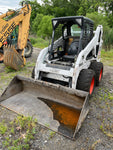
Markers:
12,58
59,108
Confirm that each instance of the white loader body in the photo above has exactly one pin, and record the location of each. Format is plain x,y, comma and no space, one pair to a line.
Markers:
80,63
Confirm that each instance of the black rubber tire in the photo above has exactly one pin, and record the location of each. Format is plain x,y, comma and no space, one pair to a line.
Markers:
1,51
28,49
85,80
98,69
33,73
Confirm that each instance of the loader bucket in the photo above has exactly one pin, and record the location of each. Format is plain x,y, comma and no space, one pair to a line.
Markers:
12,58
59,108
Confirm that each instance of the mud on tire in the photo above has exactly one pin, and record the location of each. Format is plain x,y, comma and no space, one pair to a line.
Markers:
86,80
98,69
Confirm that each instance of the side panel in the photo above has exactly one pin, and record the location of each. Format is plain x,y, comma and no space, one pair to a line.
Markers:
40,61
82,61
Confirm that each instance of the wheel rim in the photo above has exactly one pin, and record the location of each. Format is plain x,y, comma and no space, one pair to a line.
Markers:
92,86
1,57
100,76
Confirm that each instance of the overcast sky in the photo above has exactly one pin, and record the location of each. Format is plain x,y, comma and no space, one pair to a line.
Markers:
10,4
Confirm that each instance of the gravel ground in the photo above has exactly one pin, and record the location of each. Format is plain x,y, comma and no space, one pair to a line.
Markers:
96,132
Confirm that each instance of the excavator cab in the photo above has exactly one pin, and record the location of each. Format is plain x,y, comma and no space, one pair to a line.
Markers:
13,38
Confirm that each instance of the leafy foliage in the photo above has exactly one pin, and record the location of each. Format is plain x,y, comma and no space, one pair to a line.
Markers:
35,9
100,19
45,27
19,133
108,7
42,13
36,22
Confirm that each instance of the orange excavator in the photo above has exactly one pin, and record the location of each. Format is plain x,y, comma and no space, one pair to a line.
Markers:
14,58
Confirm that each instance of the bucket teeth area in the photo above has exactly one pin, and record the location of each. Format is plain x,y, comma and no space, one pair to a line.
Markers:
12,58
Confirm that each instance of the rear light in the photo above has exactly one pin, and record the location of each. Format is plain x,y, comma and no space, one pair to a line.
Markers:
5,43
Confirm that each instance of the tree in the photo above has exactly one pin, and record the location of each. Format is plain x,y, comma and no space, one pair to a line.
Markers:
100,19
45,27
89,6
60,8
35,9
108,7
36,22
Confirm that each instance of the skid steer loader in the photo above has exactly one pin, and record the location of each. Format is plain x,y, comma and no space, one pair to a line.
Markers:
64,76
14,58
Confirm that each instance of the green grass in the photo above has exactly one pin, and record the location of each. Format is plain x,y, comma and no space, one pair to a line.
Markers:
3,128
52,133
104,130
107,57
18,133
10,73
39,42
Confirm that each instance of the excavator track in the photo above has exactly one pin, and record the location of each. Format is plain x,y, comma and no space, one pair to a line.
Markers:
12,58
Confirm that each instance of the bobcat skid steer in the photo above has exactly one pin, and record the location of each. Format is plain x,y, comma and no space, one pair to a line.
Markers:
64,76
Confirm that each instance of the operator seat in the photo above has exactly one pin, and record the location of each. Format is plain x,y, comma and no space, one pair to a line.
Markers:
72,50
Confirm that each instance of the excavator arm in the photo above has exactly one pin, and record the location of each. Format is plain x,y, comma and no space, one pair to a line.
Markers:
12,57
7,14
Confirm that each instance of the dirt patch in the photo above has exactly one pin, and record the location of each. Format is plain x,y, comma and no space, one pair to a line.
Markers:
96,132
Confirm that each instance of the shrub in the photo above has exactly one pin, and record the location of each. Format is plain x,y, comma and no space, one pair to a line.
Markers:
45,27
100,19
36,22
